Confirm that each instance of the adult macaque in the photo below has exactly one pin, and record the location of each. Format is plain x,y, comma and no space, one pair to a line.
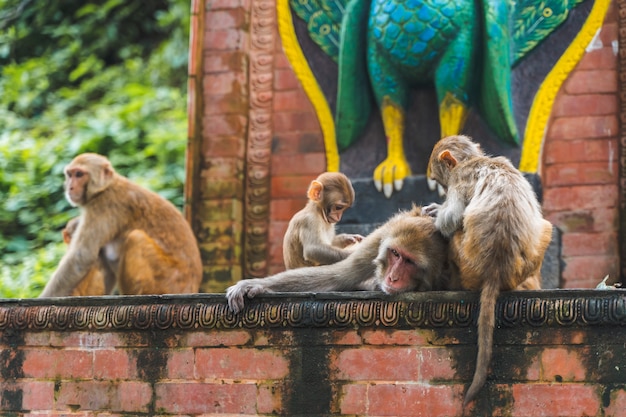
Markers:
405,254
93,282
144,240
310,239
498,234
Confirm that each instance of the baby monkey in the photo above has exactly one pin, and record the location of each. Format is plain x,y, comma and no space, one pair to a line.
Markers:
498,236
310,239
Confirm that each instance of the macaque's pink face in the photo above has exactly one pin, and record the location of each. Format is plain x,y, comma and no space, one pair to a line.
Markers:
76,180
402,273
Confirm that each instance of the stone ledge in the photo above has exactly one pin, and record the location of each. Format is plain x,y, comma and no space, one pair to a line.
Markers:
533,309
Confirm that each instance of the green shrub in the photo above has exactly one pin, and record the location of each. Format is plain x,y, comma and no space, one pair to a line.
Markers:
75,76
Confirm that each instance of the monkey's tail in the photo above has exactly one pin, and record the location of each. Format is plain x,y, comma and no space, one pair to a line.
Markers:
486,323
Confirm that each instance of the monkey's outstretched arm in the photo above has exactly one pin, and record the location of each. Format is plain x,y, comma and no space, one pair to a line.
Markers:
350,274
450,214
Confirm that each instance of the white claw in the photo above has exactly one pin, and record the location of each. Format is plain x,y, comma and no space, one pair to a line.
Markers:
432,184
378,184
388,190
441,190
397,184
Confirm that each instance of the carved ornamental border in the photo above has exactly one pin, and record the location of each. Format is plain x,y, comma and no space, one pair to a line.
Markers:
331,311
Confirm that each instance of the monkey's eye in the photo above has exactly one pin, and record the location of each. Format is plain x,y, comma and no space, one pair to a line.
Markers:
79,174
394,253
338,208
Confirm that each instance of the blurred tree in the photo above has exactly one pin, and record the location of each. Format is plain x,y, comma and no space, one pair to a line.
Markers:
75,76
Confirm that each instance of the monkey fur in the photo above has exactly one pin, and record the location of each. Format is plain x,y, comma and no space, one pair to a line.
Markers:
144,243
310,239
498,236
405,254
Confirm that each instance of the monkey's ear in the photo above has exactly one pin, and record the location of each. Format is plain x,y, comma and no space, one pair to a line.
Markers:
447,158
315,190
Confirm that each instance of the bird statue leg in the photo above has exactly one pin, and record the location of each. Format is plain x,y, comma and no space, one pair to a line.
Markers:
452,115
390,173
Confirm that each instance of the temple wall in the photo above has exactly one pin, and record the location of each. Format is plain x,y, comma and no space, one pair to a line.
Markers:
556,353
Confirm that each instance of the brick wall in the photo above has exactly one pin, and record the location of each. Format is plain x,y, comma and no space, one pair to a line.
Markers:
558,354
580,163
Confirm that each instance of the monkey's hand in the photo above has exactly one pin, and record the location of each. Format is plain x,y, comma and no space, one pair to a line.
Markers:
247,287
431,210
345,240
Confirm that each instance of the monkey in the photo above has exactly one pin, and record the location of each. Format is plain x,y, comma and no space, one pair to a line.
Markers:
406,253
145,242
498,236
310,239
94,282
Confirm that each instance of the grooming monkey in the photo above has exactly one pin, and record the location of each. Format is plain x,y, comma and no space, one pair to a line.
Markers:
144,243
93,282
310,239
407,253
498,236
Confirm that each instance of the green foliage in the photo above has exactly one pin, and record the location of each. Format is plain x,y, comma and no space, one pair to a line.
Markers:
105,76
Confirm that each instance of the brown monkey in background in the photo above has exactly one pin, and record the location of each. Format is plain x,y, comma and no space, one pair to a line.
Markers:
310,238
93,282
498,234
407,253
144,240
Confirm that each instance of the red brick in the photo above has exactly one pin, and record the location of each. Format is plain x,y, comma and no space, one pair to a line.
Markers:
224,83
549,400
290,186
577,244
197,398
225,19
397,337
561,151
618,403
86,339
180,364
269,399
290,143
585,105
562,365
588,271
592,81
599,58
37,395
582,173
346,337
228,146
584,127
217,338
220,104
241,363
592,220
226,124
225,61
221,168
295,122
609,29
285,79
354,399
414,400
582,197
52,363
224,40
436,364
113,364
389,364
291,100
91,395
310,165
